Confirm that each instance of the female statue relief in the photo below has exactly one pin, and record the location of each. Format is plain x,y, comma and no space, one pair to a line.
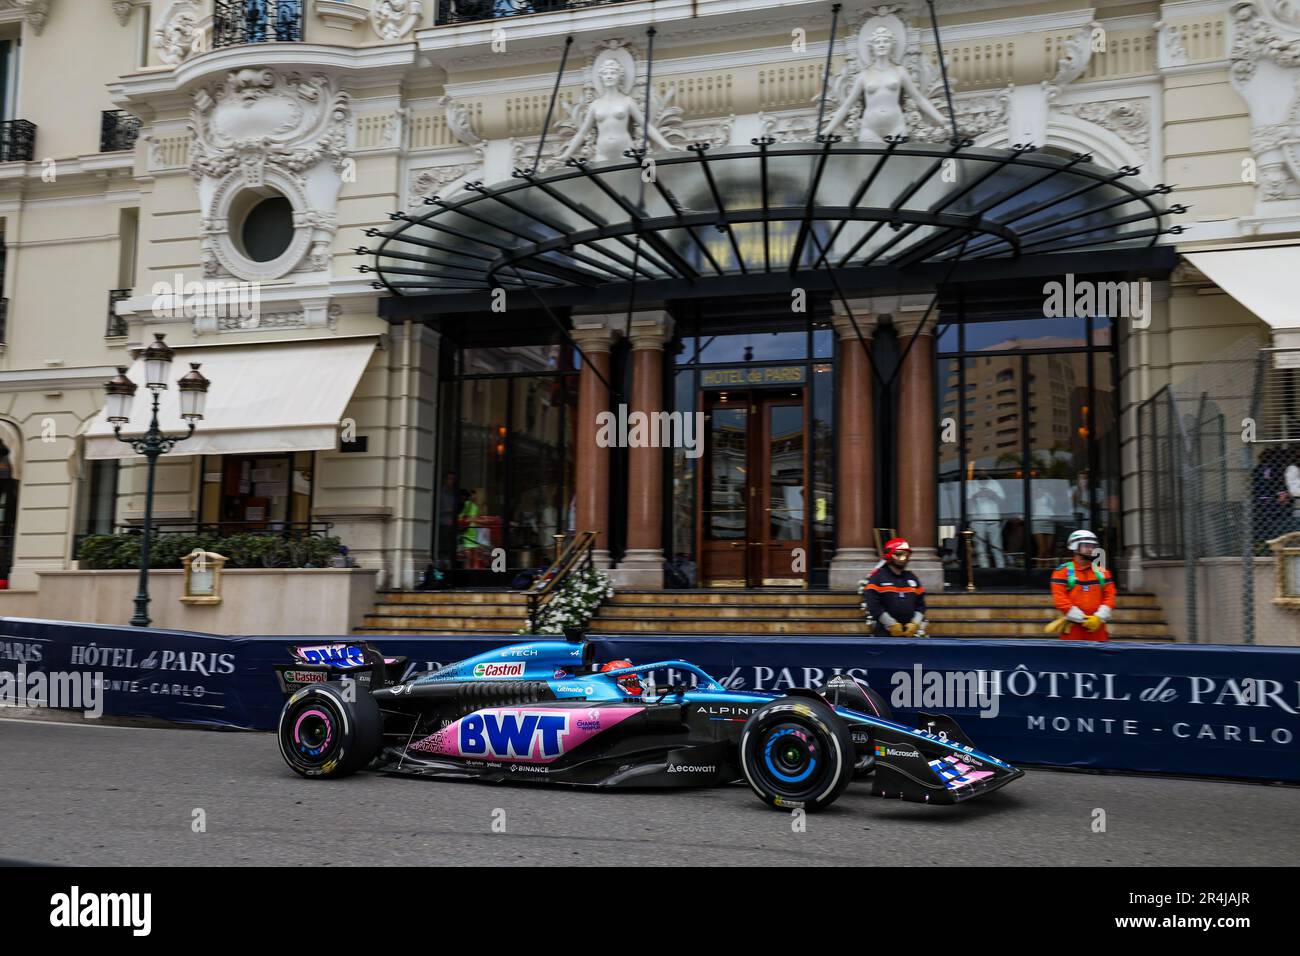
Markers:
613,112
880,84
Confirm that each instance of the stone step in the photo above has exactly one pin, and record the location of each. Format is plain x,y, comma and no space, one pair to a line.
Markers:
851,599
517,598
507,637
849,612
614,624
440,624
512,611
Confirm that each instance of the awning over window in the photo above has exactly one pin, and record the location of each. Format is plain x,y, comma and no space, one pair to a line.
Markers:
264,399
1263,279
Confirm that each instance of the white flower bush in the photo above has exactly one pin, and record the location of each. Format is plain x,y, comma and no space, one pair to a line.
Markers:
575,604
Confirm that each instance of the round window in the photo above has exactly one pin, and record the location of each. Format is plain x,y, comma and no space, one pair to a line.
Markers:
268,229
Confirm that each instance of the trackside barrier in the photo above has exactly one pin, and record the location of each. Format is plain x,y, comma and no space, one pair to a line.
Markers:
1208,710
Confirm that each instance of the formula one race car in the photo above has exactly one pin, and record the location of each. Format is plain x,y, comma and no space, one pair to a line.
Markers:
545,711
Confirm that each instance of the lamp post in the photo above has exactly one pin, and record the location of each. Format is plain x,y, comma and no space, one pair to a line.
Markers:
153,443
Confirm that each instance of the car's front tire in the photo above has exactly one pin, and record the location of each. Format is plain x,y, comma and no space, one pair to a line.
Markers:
796,753
324,734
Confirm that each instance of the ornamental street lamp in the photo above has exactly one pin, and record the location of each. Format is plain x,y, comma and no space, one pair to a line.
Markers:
153,443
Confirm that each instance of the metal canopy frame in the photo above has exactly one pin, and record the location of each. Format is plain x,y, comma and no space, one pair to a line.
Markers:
582,228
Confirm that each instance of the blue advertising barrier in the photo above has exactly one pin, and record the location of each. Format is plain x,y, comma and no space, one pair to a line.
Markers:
1209,710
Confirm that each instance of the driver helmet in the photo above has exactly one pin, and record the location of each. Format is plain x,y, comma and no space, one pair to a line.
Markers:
630,683
1084,543
897,549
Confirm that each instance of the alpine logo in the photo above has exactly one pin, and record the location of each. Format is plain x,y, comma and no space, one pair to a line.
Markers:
513,733
499,670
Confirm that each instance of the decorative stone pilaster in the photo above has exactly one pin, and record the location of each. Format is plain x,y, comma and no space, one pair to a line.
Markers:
916,454
855,487
642,566
595,337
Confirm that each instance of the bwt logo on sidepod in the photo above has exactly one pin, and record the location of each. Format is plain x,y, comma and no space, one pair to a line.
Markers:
511,734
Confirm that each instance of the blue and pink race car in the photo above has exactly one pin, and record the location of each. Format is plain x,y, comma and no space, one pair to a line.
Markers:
545,711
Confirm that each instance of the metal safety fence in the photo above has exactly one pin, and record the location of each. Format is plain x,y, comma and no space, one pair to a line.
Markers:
1219,480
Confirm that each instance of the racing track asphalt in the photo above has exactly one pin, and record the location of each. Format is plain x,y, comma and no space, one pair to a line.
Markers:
103,795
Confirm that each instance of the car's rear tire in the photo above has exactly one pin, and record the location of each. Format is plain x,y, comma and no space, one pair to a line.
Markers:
796,753
323,734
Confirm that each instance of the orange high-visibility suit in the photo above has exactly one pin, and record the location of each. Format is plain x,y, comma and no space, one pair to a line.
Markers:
1078,594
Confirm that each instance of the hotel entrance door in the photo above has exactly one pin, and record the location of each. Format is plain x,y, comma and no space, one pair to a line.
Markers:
754,520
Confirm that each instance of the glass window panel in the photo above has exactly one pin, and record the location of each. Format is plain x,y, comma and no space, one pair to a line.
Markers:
823,465
993,478
684,479
1106,451
754,347
823,337
950,473
1027,332
948,337
1058,453
725,504
513,358
481,454
785,506
540,479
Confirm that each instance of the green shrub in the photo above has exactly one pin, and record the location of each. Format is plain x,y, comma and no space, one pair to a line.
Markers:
103,552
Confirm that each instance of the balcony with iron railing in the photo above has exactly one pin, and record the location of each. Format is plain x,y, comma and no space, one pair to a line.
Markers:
17,140
472,11
116,326
118,130
256,21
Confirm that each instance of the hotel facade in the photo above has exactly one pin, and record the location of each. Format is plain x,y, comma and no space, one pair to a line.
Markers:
405,242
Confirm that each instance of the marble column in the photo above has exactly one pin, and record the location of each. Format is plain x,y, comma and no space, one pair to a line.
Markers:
591,461
916,453
855,478
642,566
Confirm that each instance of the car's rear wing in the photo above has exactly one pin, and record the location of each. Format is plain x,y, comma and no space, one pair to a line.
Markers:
340,660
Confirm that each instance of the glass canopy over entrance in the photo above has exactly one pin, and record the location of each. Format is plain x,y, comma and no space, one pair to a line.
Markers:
709,214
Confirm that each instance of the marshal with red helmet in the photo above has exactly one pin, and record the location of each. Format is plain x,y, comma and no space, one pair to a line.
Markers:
894,597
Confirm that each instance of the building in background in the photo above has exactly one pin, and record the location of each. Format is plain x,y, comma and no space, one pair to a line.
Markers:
191,146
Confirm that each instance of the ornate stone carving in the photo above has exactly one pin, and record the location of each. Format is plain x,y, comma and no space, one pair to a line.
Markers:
122,10
432,180
976,115
608,119
177,35
293,319
1255,39
714,132
35,12
459,122
791,128
1171,51
1073,63
1265,70
264,131
394,19
1130,119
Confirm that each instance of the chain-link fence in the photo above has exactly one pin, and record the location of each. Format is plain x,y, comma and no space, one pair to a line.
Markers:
1219,477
